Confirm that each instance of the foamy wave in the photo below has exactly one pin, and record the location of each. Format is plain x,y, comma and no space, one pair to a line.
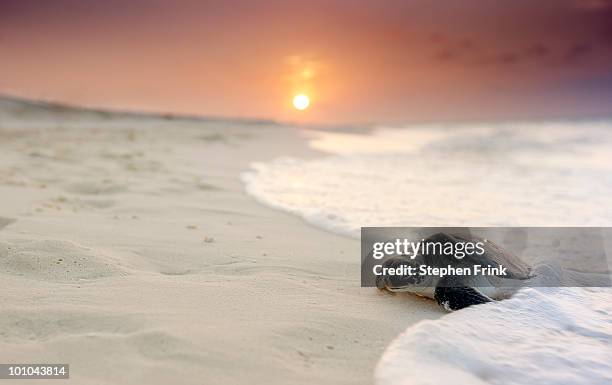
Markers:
496,175
540,336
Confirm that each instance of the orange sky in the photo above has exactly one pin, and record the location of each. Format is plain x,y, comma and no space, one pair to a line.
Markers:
360,61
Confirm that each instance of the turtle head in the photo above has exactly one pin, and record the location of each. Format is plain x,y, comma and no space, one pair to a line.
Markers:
395,275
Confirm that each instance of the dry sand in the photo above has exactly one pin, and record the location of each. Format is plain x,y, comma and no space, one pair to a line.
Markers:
129,250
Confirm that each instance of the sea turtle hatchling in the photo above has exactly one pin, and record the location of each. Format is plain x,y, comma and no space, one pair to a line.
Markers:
455,292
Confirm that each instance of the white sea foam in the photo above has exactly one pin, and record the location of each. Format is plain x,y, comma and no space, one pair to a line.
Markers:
542,174
485,175
540,336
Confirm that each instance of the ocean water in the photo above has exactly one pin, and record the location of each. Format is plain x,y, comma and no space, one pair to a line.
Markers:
540,336
541,174
511,174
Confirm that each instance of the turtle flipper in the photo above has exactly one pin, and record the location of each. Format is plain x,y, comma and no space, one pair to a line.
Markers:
455,298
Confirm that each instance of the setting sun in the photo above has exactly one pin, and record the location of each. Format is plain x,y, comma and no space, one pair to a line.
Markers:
301,102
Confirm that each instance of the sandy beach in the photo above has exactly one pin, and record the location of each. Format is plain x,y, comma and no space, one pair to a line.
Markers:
202,192
129,249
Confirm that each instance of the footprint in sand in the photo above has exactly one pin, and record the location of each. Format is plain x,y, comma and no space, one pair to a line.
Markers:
21,324
5,222
95,188
77,204
54,261
159,345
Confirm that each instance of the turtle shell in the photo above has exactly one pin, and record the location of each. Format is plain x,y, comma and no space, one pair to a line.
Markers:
493,255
